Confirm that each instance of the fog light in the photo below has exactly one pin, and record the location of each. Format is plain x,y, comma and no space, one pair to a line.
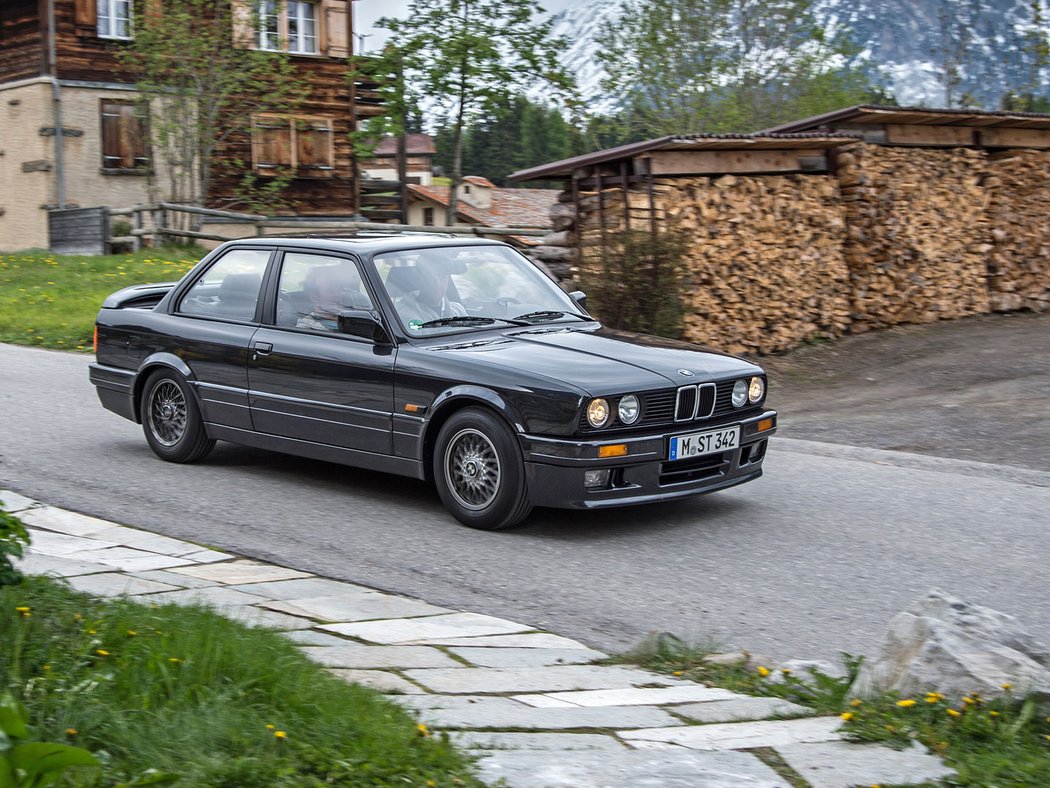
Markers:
593,479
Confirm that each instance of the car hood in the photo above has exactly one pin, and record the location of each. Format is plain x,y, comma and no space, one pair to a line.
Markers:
604,361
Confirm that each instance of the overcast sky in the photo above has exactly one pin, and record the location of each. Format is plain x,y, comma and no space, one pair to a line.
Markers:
366,12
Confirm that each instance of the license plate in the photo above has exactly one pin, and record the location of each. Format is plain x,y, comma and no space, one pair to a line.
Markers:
696,444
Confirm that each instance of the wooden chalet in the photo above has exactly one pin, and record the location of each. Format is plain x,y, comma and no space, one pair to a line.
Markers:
73,135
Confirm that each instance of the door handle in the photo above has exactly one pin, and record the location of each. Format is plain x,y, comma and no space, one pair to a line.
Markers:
262,348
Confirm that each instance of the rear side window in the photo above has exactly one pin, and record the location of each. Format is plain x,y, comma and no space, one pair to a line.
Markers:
230,287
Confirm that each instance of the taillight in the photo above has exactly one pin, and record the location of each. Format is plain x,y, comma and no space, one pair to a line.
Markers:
94,341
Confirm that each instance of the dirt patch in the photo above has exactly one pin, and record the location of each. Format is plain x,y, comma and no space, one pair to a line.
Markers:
975,389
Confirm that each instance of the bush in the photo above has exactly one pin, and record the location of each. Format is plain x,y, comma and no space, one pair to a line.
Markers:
14,538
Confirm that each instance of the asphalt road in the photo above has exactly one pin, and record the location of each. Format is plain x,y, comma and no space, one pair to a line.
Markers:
811,560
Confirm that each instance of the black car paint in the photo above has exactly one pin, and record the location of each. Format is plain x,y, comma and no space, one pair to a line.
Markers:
343,398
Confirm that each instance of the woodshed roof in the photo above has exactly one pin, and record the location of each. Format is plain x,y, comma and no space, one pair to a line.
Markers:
866,114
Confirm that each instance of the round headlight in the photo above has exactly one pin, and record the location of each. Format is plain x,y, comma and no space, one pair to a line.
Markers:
628,410
597,412
756,390
740,394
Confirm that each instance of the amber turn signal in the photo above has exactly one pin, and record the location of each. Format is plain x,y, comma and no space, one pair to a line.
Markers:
94,340
612,450
765,424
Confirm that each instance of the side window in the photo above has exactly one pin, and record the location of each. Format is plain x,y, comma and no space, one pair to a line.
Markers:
124,135
315,288
229,288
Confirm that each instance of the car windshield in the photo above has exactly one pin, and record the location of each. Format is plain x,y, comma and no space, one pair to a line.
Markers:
460,288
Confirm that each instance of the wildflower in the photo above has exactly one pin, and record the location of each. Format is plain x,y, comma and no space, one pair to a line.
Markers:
132,633
846,716
968,701
102,652
1007,686
763,671
270,726
678,673
424,731
280,735
92,631
71,731
47,668
953,713
856,702
934,697
906,703
786,671
993,714
891,729
23,612
174,660
76,616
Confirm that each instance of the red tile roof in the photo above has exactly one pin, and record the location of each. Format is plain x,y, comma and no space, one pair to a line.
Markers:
415,145
510,207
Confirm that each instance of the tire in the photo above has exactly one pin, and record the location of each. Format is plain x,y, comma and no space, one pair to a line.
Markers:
171,419
479,471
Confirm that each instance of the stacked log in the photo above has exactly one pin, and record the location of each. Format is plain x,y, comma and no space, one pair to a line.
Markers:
918,235
1018,186
764,267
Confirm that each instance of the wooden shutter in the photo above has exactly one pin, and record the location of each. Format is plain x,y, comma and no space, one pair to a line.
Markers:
313,147
271,144
112,155
335,28
86,13
242,16
123,136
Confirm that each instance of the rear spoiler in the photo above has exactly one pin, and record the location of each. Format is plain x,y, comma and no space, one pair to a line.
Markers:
138,296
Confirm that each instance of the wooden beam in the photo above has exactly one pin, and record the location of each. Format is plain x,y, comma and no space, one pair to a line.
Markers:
723,162
1015,138
949,136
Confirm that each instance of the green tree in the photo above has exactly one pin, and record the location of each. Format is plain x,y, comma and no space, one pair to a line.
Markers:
687,66
468,56
201,90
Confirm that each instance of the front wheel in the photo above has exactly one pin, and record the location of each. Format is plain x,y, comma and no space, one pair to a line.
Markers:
171,419
479,471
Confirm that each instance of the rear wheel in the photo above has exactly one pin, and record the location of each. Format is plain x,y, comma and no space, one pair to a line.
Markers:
171,419
479,471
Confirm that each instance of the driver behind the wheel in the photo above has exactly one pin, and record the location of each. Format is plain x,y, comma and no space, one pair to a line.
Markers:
429,300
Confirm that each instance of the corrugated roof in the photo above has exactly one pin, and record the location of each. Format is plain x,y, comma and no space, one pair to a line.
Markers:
759,141
874,113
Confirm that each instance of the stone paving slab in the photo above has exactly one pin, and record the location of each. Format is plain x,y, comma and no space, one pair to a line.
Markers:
544,742
311,637
410,630
38,564
115,584
608,769
526,657
238,572
131,560
257,617
742,709
304,588
208,556
172,579
528,640
480,716
358,655
376,679
218,597
57,544
524,680
144,540
742,735
14,503
430,701
359,607
632,696
63,521
844,764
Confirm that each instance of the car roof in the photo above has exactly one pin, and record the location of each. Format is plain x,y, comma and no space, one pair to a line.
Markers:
367,244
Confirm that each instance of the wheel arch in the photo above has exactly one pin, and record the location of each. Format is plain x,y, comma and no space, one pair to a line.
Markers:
452,401
149,366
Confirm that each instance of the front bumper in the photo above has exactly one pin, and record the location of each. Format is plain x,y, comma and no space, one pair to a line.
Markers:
555,468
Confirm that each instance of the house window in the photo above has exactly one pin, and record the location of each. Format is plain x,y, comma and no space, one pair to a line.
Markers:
428,217
114,19
283,143
289,25
124,136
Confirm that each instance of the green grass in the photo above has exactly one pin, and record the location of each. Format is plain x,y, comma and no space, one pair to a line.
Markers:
1002,742
185,691
49,300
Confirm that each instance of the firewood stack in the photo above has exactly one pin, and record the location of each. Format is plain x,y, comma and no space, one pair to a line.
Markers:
1018,185
918,234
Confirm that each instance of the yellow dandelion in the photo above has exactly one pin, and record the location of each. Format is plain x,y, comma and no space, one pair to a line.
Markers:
280,735
22,609
954,713
1007,685
174,660
906,703
132,633
424,731
270,726
92,631
102,652
968,701
846,715
891,729
763,671
678,673
76,616
993,714
856,702
47,668
71,731
786,671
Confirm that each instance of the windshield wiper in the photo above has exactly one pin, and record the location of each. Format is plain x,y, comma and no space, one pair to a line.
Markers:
549,314
469,320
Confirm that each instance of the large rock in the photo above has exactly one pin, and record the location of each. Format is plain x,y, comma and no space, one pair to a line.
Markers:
947,645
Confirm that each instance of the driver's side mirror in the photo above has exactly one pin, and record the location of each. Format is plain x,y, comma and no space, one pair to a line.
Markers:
579,297
363,323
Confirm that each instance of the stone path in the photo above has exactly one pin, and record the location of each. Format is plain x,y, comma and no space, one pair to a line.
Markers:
532,704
